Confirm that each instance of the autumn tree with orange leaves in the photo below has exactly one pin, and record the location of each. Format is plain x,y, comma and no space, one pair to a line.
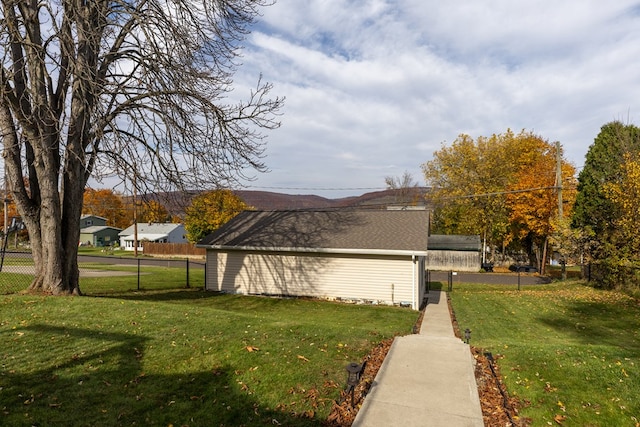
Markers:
11,212
13,235
502,188
532,200
106,204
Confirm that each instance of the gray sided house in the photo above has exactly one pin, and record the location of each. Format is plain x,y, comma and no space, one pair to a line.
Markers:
454,252
91,221
99,235
95,232
369,255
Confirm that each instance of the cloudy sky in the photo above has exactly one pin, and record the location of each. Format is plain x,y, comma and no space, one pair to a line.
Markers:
374,87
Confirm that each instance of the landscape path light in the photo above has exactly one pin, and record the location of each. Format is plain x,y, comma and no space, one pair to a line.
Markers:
354,371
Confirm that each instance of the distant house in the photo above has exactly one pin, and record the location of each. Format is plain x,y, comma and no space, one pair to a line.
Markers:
152,232
91,220
375,256
95,232
99,235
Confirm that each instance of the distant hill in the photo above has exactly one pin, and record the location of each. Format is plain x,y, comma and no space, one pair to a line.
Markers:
268,201
177,202
264,200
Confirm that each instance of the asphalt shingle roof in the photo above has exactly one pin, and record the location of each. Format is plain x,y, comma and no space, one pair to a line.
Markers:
328,229
97,228
151,228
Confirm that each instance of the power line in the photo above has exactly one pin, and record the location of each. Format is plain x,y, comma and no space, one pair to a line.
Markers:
500,193
467,196
318,188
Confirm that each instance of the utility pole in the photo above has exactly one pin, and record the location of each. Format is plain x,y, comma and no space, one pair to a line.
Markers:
559,178
6,205
563,261
135,216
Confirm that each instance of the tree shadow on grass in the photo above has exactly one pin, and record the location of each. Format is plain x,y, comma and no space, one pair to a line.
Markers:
162,295
598,323
97,378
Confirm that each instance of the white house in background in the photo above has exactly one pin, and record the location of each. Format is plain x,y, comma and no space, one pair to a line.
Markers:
373,256
152,232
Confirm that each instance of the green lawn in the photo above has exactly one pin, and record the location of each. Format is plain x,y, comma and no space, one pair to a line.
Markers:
569,352
182,357
18,274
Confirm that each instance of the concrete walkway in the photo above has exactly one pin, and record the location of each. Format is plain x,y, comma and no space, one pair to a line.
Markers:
426,379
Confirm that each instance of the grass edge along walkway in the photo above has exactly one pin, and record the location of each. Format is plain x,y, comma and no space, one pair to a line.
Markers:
182,357
569,352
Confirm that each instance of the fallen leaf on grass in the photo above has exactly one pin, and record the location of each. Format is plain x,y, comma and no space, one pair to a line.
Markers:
251,349
559,418
303,358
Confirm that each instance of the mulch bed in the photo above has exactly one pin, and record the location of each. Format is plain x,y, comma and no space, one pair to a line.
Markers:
498,409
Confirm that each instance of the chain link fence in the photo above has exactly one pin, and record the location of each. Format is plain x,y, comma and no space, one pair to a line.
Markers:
109,274
16,271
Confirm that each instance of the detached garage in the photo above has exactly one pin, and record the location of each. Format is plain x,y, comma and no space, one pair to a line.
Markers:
368,255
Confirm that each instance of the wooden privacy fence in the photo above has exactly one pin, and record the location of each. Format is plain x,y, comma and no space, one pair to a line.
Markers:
172,249
453,260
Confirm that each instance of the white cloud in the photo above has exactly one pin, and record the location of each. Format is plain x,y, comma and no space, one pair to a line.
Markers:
374,87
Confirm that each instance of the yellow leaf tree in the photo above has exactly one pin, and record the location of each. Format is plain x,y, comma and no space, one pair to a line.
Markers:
465,179
625,195
152,211
209,211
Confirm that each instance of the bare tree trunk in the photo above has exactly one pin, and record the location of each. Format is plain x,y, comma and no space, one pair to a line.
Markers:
97,86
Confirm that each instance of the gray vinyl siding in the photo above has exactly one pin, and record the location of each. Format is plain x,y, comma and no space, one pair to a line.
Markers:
380,279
